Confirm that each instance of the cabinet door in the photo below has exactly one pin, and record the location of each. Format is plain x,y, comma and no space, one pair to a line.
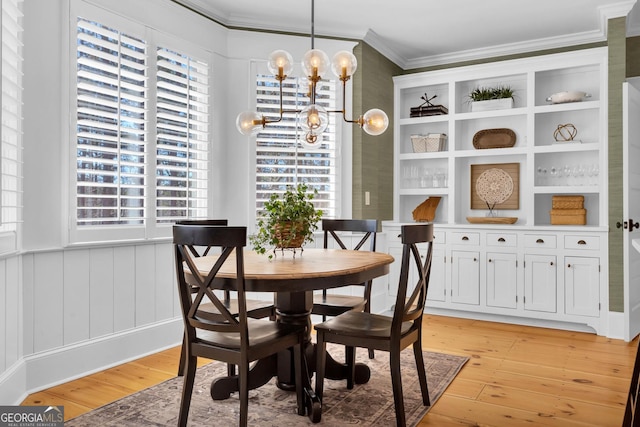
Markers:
540,283
436,290
582,285
394,270
465,277
501,280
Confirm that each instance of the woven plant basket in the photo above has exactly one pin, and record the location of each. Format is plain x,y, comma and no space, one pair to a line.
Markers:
286,237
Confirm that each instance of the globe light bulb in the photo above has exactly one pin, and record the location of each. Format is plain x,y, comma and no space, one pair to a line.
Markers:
249,123
344,64
280,63
317,60
312,140
375,122
314,119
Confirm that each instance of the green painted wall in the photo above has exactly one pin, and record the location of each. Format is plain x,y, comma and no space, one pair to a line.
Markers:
373,155
633,56
616,39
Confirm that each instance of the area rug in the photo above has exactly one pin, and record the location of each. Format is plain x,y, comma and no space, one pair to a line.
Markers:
369,404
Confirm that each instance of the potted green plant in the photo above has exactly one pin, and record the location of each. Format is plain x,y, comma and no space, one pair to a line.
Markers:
287,221
491,98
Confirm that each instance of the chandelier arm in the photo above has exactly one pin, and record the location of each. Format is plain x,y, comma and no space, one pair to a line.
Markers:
360,119
266,121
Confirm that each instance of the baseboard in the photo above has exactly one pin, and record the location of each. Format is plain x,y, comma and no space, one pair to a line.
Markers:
47,369
616,325
12,384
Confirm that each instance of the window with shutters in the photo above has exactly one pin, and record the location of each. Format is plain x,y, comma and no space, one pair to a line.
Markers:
11,119
282,159
141,132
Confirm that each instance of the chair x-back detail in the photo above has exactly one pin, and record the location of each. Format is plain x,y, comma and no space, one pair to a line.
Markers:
334,304
386,333
256,309
231,338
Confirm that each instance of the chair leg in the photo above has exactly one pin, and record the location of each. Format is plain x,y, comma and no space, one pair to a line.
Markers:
243,392
422,373
231,369
183,356
187,389
297,366
396,381
321,360
350,355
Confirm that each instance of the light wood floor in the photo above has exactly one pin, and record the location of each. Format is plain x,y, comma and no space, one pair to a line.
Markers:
516,376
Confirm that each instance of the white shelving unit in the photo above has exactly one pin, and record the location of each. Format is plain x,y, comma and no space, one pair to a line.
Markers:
471,253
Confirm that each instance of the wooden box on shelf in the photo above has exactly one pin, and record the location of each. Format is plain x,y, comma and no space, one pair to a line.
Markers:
567,202
428,110
568,216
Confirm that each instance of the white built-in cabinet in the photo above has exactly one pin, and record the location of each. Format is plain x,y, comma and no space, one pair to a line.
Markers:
530,271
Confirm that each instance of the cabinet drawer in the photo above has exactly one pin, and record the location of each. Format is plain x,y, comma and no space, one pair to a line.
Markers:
458,238
582,242
540,241
502,239
439,237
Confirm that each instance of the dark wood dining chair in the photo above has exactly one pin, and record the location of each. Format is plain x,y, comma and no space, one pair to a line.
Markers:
392,334
327,304
256,309
234,339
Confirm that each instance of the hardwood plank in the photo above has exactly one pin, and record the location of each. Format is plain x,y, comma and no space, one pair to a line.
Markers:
516,376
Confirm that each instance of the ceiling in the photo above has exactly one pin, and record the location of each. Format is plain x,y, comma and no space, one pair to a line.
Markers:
420,33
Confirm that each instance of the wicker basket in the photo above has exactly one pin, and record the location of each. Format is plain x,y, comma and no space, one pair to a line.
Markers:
285,237
568,216
567,202
429,143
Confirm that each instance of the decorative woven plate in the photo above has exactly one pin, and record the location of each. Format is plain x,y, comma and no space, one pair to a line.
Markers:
494,186
494,138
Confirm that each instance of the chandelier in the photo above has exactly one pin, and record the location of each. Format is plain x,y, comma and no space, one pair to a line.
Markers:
314,118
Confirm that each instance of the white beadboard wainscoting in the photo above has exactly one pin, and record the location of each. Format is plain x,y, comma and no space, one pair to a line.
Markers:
75,311
71,312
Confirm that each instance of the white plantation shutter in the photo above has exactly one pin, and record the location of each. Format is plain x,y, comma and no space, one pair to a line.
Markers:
281,158
111,126
141,132
11,116
182,137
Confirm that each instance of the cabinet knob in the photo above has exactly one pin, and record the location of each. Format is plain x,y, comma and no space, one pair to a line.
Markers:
501,239
551,263
489,259
582,242
539,241
465,238
475,259
568,265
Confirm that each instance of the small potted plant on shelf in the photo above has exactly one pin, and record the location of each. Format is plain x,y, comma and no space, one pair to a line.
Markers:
287,221
491,98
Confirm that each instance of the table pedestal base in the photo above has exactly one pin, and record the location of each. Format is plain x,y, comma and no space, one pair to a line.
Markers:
292,307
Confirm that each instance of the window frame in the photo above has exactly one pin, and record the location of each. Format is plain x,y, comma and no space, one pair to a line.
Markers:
155,39
10,228
343,143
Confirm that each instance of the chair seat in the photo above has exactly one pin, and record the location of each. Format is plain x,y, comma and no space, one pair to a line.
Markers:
260,331
361,324
333,305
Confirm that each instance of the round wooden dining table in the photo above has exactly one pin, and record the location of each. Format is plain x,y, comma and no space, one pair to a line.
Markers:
293,277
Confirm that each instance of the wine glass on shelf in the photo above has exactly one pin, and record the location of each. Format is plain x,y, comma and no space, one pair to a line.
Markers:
554,175
542,175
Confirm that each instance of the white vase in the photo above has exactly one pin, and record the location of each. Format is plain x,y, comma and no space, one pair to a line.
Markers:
492,104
